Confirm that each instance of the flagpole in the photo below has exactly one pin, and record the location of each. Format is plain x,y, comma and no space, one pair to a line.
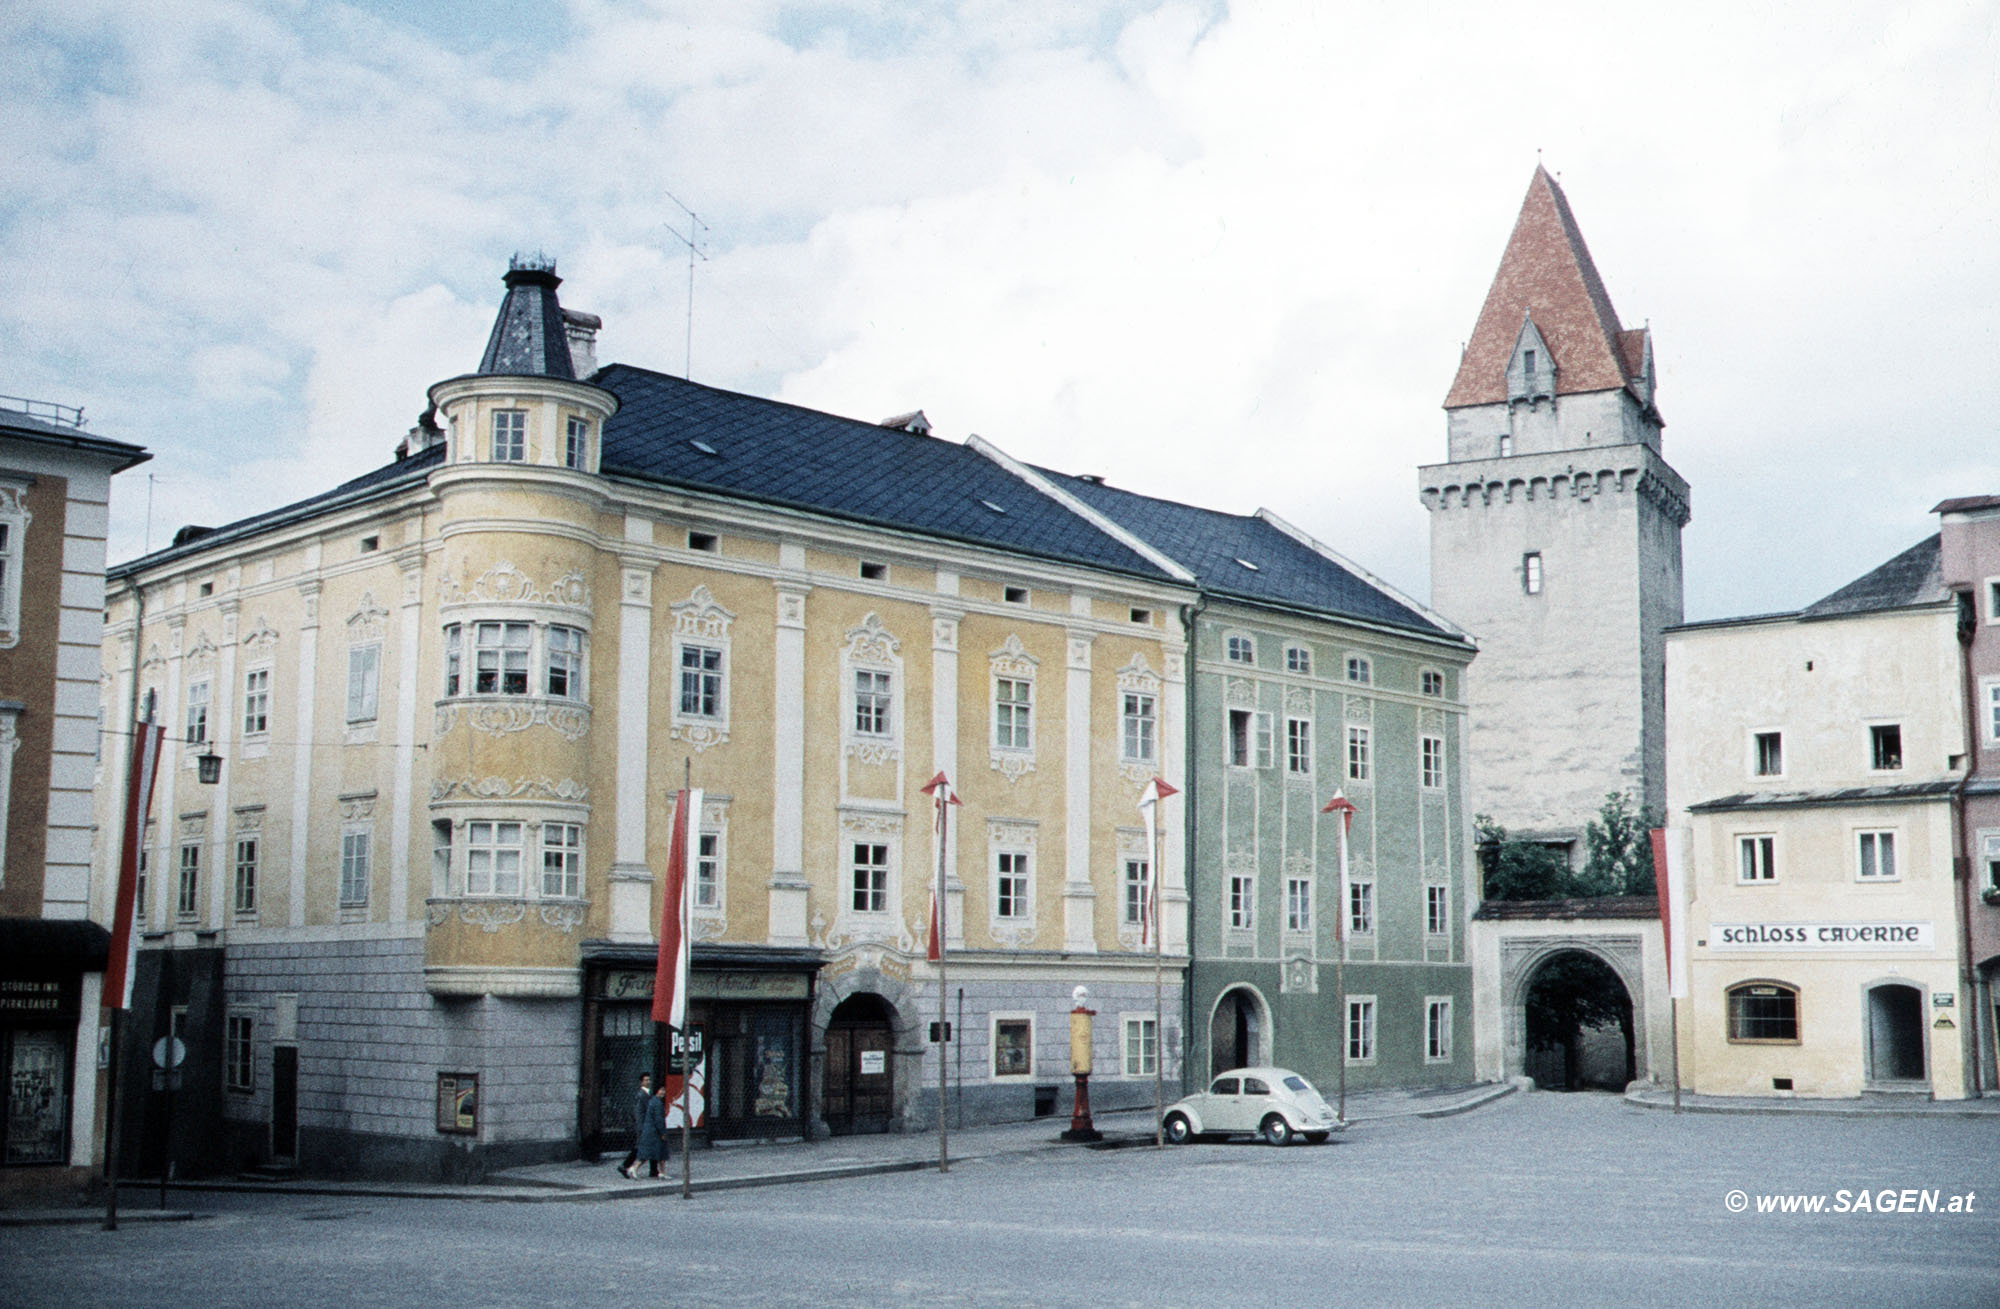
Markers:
943,921
1159,988
1343,807
687,1033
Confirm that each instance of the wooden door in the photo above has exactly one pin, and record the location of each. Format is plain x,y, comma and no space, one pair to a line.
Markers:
285,1102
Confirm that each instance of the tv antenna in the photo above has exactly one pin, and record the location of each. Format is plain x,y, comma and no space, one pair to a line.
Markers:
693,241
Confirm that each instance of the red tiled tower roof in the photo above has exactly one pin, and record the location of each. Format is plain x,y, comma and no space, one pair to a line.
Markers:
1547,273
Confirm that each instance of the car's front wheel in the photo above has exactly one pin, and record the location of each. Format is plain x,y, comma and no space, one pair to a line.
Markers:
1277,1131
1179,1130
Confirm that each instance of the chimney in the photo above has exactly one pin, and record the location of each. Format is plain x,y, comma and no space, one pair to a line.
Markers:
581,329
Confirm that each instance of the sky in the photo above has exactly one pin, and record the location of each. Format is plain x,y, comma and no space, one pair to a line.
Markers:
1226,254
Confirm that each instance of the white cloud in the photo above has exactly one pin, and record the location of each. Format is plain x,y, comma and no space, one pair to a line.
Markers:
1221,256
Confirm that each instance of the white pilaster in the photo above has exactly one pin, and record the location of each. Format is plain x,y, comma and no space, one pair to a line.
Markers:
399,838
302,765
631,880
1174,900
1079,897
787,891
944,755
165,863
225,730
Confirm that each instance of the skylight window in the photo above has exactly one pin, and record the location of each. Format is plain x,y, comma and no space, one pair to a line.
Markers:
703,446
1247,564
995,508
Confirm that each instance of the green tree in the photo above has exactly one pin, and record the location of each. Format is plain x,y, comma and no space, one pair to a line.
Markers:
1518,870
1618,847
1569,993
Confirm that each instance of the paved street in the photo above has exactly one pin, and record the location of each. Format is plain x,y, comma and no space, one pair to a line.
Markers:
1539,1199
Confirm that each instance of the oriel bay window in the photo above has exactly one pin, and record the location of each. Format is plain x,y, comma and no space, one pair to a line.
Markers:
495,854
512,657
562,861
493,858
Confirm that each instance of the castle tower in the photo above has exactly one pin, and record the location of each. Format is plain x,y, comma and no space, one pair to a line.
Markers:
1556,537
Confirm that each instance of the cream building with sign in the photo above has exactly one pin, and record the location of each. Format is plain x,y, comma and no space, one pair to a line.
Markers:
1813,758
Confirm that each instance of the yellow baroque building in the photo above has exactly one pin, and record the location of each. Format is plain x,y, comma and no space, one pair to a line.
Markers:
410,927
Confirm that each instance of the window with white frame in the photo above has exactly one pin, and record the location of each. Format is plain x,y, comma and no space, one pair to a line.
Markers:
1993,599
1361,908
708,873
244,892
440,857
1239,649
238,1053
1359,670
873,703
1437,911
1013,713
256,702
563,677
1437,1029
1767,754
869,877
510,435
1885,747
1992,691
1013,1046
1142,1046
188,903
145,863
562,861
1431,682
364,683
1132,899
1431,763
1989,855
1242,901
1239,738
500,654
197,713
454,659
1361,1029
356,863
576,442
1298,904
1264,737
1531,572
701,681
1011,885
493,858
1299,660
1299,746
14,518
1756,859
1876,853
1138,741
1357,754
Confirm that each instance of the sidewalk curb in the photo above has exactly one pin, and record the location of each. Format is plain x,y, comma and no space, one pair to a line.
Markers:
1498,1091
1810,1109
90,1217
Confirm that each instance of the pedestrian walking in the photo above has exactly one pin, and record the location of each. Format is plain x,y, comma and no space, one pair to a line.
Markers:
639,1108
653,1134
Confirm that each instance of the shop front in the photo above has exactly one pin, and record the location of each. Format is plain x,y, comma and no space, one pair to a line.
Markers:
42,968
747,1051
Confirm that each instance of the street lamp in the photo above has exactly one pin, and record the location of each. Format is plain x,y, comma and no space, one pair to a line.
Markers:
208,766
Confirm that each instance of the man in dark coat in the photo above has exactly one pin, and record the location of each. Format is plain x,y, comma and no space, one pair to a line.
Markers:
653,1134
639,1107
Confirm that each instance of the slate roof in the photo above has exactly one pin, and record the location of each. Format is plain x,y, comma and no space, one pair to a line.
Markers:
1602,906
1547,273
1209,544
1914,577
783,454
528,337
1834,796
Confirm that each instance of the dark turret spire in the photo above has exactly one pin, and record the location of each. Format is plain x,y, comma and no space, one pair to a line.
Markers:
528,337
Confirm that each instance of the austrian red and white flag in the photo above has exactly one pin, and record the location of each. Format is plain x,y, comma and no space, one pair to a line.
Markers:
1343,806
1670,860
1149,806
670,975
145,762
943,797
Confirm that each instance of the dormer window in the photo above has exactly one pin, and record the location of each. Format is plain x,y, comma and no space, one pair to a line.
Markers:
1531,373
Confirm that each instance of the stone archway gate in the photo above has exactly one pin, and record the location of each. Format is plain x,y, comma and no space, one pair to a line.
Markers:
1510,939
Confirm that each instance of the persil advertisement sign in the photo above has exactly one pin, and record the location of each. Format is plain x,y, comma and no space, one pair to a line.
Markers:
1857,938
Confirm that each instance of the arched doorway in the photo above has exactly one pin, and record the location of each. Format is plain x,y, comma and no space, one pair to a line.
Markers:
1895,1033
1578,1019
1238,1035
860,1083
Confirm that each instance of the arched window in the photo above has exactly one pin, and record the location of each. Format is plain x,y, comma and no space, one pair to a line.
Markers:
1764,1011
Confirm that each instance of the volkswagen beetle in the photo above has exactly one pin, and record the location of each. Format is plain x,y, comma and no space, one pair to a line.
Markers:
1274,1103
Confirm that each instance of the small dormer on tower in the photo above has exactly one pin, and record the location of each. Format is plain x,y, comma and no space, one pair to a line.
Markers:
525,405
1531,373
